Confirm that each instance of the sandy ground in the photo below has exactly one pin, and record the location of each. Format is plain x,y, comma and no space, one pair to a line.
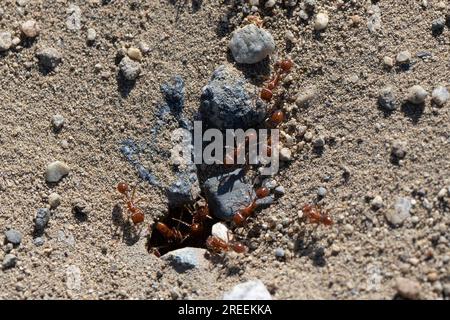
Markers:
359,257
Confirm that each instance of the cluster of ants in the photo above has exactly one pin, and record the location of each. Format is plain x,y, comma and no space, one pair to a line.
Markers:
176,230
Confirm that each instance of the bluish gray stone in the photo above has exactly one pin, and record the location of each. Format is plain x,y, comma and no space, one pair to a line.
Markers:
186,258
321,192
42,218
387,99
279,253
13,236
251,44
38,241
227,193
130,69
229,101
250,290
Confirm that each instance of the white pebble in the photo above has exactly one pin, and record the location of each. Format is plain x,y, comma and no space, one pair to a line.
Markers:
91,35
321,21
220,231
54,200
285,154
5,41
403,57
30,29
440,95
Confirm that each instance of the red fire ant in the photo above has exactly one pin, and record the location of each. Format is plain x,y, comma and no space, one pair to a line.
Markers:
199,216
241,215
314,214
136,214
170,234
282,68
217,245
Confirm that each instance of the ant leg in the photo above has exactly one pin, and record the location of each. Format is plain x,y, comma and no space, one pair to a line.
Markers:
133,192
180,221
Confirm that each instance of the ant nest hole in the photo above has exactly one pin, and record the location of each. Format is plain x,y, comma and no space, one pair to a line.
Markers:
180,232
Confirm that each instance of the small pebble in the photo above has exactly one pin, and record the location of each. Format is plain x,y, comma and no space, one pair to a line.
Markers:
41,219
130,69
417,94
270,3
54,200
91,35
305,97
30,29
5,41
399,149
144,47
13,236
220,231
388,62
437,26
400,213
134,53
404,57
279,253
376,203
49,58
440,96
251,44
285,154
321,21
56,171
321,192
387,100
250,290
38,241
408,289
319,142
442,193
9,261
279,190
57,122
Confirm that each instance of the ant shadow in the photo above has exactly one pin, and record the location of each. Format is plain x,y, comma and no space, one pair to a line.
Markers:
180,6
306,245
254,71
124,85
413,111
130,235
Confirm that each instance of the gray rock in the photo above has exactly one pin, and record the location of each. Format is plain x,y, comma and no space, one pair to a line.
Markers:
437,26
321,192
400,213
226,193
440,96
73,21
251,44
9,261
66,237
250,290
57,122
13,236
5,41
279,253
399,149
387,99
280,190
186,258
56,171
41,219
229,101
408,289
38,241
130,69
49,58
403,57
319,142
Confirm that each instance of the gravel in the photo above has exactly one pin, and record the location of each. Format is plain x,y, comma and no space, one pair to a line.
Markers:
251,44
387,100
417,94
5,41
229,101
399,149
56,171
440,96
250,290
49,58
9,261
408,289
13,236
130,69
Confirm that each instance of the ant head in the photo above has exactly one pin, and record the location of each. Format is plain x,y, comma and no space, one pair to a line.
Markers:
122,187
